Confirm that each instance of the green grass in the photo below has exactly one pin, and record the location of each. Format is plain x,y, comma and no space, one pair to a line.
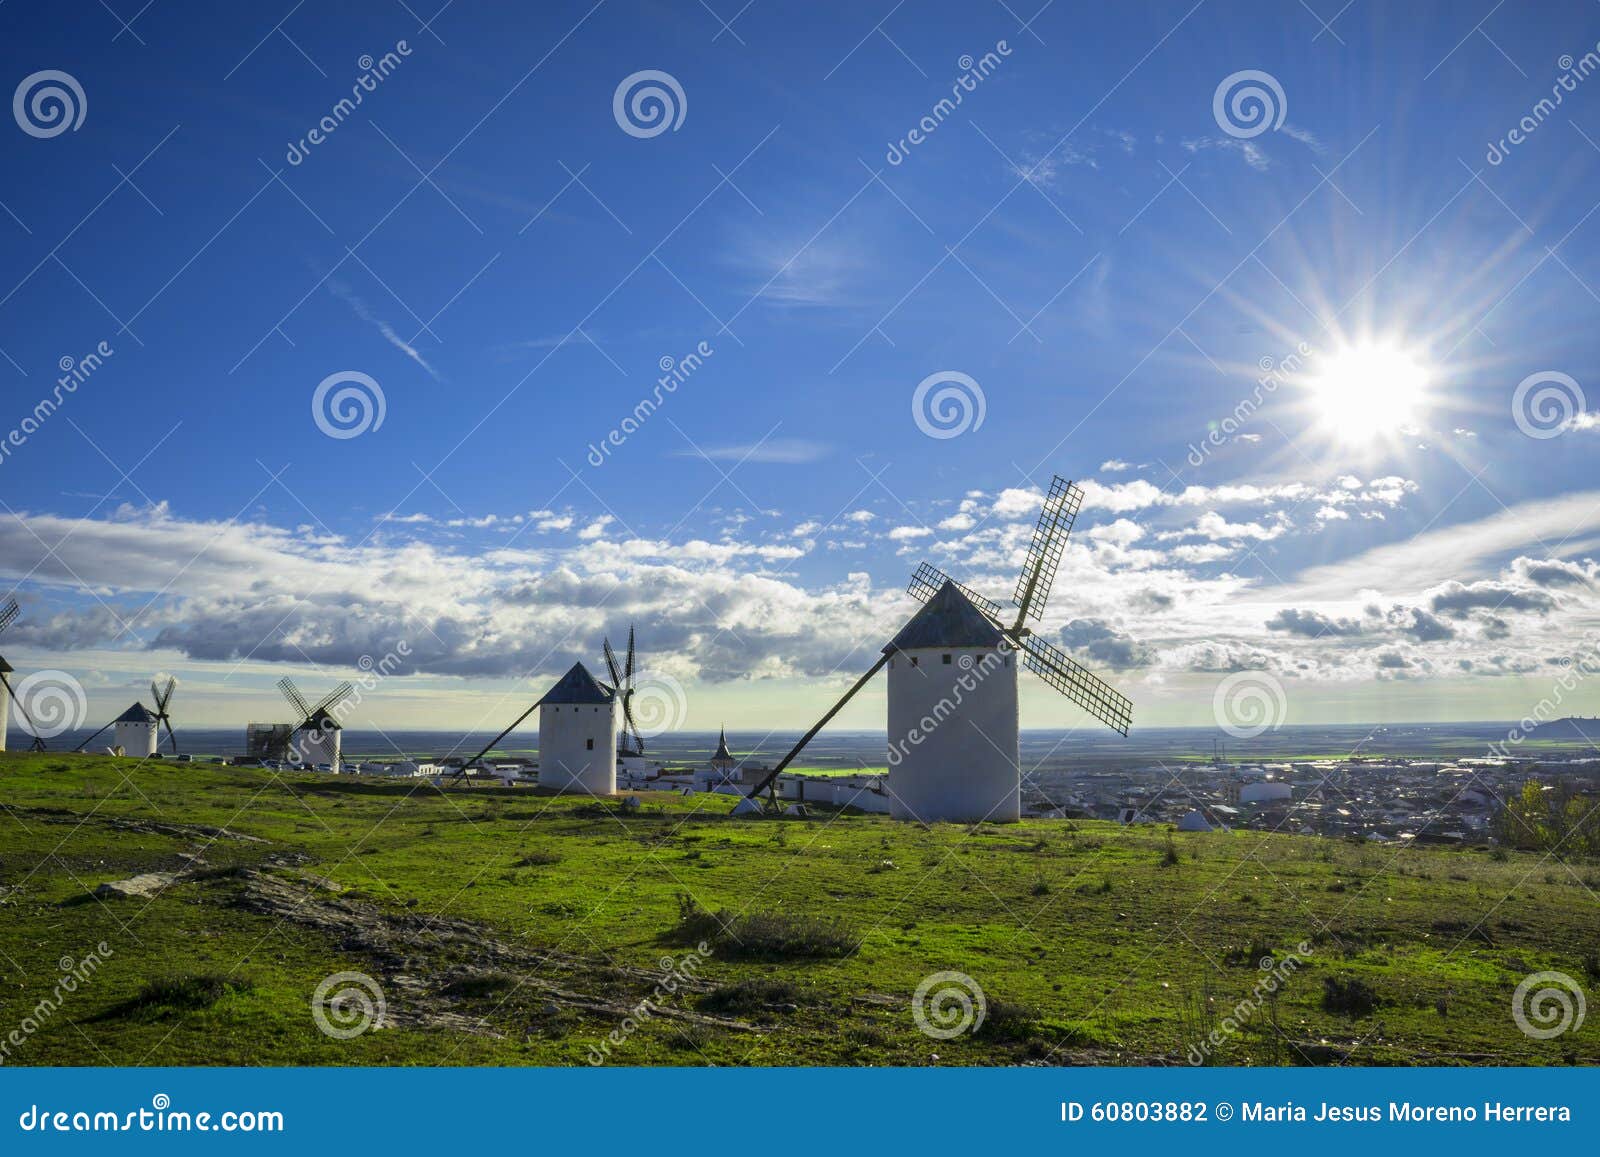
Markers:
507,927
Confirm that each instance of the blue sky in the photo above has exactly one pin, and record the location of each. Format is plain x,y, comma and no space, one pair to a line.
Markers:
1083,237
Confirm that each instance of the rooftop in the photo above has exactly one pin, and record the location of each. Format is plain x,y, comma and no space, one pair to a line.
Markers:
578,686
948,619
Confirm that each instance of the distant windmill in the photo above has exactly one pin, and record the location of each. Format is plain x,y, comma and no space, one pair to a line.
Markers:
622,681
966,766
163,712
139,728
8,615
316,734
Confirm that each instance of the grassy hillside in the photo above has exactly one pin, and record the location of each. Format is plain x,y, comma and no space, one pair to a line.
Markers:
507,927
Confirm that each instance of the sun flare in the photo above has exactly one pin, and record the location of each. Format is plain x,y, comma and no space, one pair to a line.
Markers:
1362,393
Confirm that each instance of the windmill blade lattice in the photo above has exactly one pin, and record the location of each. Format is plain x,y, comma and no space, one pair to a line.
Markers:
627,698
9,613
1077,683
611,665
163,701
296,700
1060,511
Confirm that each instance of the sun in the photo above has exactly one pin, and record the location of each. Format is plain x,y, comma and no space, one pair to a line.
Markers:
1365,392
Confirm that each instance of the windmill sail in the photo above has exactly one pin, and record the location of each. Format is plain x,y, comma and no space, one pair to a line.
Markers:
1075,681
163,701
627,699
296,700
1060,511
9,613
622,681
611,665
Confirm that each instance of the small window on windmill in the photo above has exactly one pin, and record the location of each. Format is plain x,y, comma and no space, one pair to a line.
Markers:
590,744
947,660
915,659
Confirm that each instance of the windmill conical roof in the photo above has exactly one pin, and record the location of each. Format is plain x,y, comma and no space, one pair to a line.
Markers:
722,747
578,686
948,619
138,713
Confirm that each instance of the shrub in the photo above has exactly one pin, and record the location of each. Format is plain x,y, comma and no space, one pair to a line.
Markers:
479,984
1348,996
537,860
1169,856
763,935
1251,955
1007,1020
695,1038
752,995
185,992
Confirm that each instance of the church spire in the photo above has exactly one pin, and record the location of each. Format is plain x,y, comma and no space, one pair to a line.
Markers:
722,758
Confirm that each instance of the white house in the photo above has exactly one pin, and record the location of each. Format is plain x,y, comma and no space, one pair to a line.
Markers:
953,716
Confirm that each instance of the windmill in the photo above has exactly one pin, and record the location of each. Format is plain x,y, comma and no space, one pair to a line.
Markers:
138,728
162,696
578,720
8,615
966,766
316,735
622,681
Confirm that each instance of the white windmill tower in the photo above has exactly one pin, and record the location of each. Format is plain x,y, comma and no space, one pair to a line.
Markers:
953,718
578,729
136,730
317,733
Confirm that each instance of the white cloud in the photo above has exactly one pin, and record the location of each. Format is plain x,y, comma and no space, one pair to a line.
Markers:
1248,150
1467,549
345,294
1120,533
1013,503
596,529
786,451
